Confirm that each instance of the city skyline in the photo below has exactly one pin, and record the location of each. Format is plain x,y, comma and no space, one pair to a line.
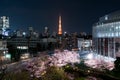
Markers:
59,40
77,16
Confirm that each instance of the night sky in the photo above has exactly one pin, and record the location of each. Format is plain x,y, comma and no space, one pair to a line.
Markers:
77,15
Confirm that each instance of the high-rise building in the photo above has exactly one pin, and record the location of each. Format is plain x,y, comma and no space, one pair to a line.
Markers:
4,25
46,30
106,35
60,26
31,29
4,56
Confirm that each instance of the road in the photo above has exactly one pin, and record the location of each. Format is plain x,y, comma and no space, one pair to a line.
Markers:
16,66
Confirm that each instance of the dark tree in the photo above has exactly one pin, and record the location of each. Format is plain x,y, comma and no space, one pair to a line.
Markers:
117,64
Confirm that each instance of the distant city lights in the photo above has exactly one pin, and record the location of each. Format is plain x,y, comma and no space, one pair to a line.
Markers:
22,47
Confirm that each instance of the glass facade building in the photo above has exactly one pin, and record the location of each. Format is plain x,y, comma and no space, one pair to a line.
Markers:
106,35
4,25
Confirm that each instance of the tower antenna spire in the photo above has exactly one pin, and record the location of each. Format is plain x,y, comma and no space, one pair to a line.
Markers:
60,26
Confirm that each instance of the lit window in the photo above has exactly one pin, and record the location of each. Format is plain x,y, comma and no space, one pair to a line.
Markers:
116,27
112,34
116,34
106,17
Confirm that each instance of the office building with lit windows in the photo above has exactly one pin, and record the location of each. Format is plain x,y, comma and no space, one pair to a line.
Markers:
4,25
106,35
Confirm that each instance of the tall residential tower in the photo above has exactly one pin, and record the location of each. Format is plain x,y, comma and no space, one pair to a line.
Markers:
4,25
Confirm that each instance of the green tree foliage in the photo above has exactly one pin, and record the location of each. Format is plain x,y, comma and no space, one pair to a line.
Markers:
54,73
17,76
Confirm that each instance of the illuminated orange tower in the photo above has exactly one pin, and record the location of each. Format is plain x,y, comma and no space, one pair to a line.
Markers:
60,26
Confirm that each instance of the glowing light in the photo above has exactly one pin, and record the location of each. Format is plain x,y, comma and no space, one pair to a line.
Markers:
100,62
8,56
22,47
25,56
24,33
90,56
60,26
